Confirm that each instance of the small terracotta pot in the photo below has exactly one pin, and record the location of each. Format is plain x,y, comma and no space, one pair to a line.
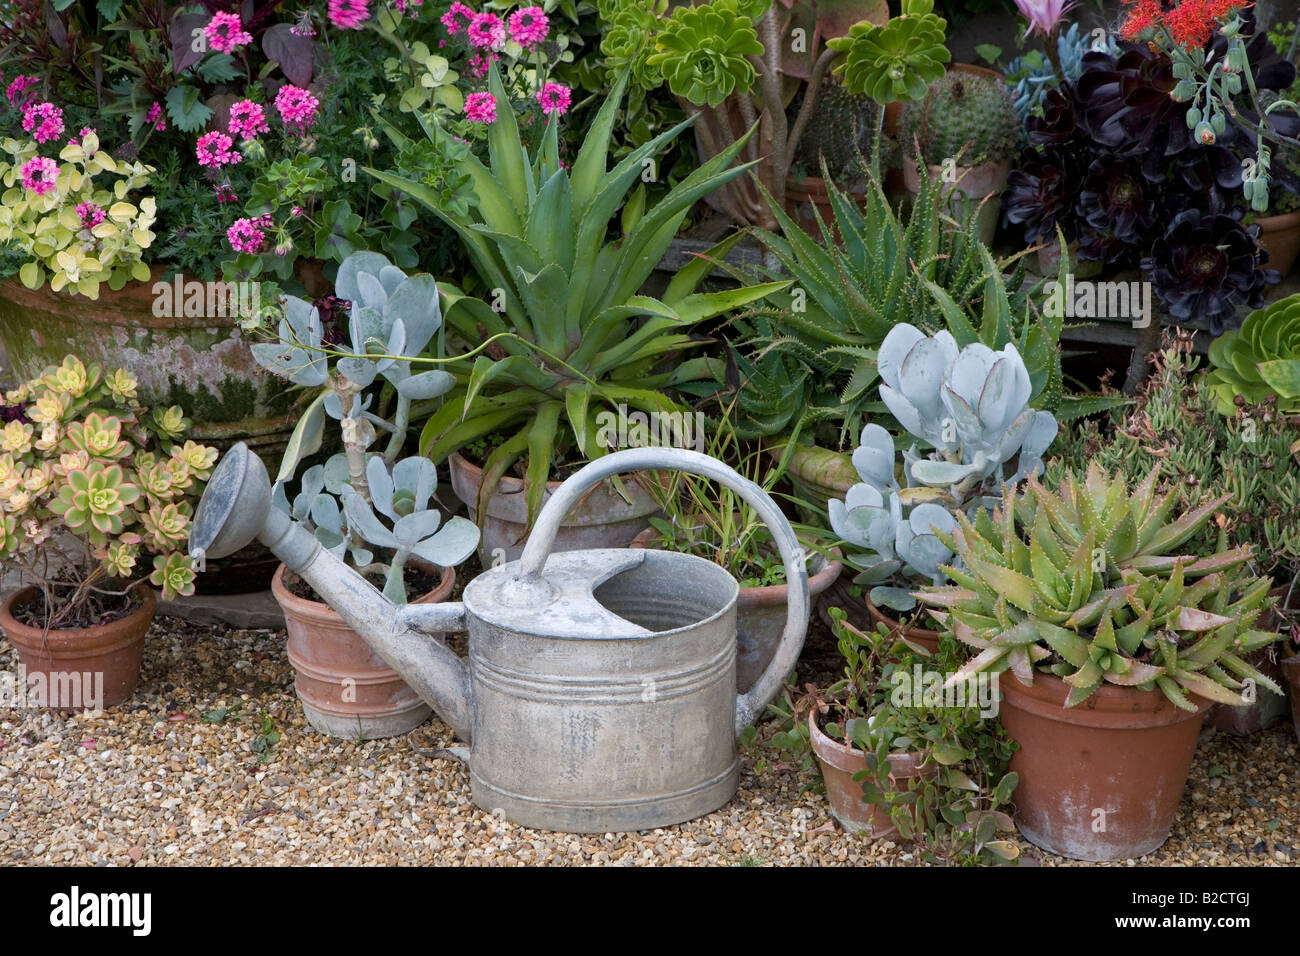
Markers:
974,182
1280,235
1101,780
602,519
346,689
839,762
1291,671
761,614
83,662
862,614
805,195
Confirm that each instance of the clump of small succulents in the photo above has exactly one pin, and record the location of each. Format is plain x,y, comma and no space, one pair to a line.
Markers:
75,219
91,482
971,407
393,318
1093,586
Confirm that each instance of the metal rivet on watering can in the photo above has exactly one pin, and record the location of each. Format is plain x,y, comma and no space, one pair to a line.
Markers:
599,690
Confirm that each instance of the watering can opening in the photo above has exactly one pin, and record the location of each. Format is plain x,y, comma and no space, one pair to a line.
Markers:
668,592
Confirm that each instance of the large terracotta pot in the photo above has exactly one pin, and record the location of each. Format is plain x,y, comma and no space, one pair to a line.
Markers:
839,762
346,689
603,519
81,666
1280,235
1101,780
200,362
1291,671
761,613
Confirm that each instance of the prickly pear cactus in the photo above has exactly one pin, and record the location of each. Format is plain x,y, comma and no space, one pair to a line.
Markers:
967,116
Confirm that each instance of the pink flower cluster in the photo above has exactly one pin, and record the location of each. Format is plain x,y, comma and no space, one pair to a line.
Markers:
39,175
90,215
555,99
226,33
154,117
215,149
18,88
458,18
529,26
487,32
481,108
43,120
85,131
247,119
249,235
297,107
349,14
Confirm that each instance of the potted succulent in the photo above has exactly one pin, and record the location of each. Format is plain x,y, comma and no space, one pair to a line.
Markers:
714,523
1248,454
971,406
93,483
898,760
1088,598
967,131
370,508
563,338
1260,361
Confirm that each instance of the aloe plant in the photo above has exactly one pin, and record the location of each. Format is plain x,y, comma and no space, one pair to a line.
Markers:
572,336
971,407
1090,585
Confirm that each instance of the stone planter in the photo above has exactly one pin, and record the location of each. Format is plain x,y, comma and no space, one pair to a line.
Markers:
78,665
346,689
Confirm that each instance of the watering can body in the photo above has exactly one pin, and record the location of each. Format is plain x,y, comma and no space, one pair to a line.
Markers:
598,694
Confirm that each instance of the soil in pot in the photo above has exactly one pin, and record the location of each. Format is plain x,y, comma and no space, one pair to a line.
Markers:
1102,780
839,763
346,689
92,660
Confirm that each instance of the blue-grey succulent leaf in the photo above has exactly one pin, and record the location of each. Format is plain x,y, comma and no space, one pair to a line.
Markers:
390,277
411,529
337,474
927,516
325,513
362,557
903,410
419,476
874,570
416,303
920,377
313,481
381,486
280,498
965,420
358,370
425,385
938,474
451,545
874,457
366,325
372,291
894,349
332,541
897,599
345,283
362,521
303,323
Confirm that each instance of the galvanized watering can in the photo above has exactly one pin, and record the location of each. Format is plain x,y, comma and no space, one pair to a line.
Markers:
599,691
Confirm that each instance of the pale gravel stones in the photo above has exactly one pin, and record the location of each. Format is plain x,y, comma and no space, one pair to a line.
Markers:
150,783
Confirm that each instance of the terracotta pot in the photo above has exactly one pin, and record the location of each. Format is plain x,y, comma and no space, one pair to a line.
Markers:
975,70
601,520
817,475
862,614
805,195
1268,708
1291,671
84,664
839,762
1280,235
761,613
346,689
973,182
1102,780
200,362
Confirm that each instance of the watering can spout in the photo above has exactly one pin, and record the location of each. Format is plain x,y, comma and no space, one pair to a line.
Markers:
236,510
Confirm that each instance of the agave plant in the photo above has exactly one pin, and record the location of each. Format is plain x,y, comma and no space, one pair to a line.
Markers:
971,406
1259,360
1090,586
572,336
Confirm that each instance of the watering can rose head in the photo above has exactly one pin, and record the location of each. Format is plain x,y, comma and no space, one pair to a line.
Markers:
970,405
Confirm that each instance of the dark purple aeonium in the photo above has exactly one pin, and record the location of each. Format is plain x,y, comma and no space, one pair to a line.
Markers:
1205,267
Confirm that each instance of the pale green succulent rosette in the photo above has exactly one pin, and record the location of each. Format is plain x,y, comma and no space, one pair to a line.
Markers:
896,61
1259,360
703,52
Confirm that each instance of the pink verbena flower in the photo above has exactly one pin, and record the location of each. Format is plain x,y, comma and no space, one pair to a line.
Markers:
214,149
16,92
479,63
248,235
247,119
487,32
529,26
225,194
349,14
43,120
555,99
481,108
39,175
90,215
155,118
226,33
458,18
76,140
297,107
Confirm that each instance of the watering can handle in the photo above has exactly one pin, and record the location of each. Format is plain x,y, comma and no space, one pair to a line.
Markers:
538,548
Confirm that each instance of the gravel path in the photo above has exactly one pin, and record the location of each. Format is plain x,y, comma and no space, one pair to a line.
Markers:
153,782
